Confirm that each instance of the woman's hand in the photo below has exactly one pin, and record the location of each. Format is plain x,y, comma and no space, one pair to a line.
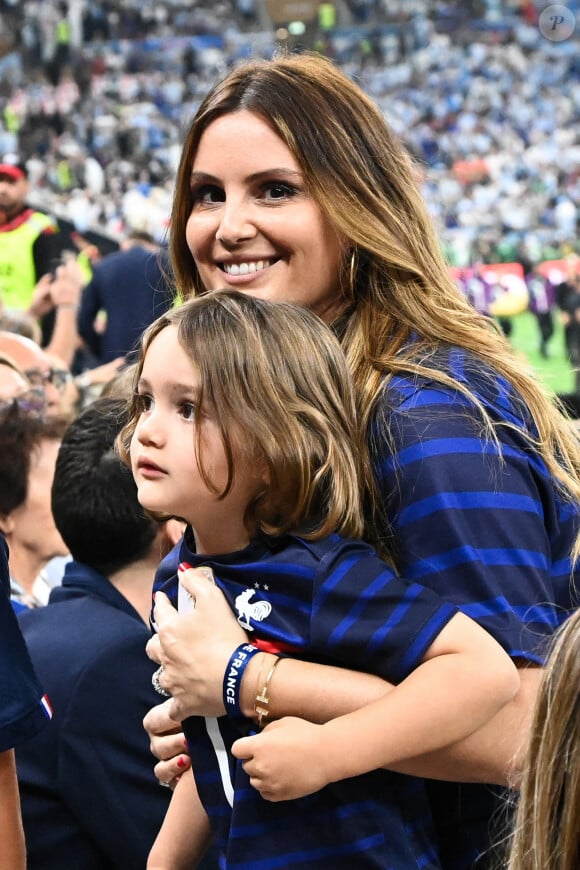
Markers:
195,647
286,760
168,744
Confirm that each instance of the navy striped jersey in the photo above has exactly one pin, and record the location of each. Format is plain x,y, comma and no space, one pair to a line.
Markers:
24,710
331,601
493,534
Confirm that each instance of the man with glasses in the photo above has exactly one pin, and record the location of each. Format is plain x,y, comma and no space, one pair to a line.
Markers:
15,387
59,378
40,370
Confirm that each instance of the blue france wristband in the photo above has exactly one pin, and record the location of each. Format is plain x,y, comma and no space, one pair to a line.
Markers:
233,678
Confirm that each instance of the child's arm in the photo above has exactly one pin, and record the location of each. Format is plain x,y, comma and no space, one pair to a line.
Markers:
185,833
464,679
11,832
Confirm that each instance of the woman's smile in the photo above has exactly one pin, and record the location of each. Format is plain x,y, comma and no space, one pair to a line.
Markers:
246,268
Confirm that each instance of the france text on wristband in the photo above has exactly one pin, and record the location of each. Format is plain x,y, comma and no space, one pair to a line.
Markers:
233,678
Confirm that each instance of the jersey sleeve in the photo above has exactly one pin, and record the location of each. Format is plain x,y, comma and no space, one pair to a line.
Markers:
484,527
366,617
24,709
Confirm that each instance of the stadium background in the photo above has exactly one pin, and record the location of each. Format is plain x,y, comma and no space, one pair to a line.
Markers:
485,94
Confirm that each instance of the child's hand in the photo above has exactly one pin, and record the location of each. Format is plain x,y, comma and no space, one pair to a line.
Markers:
286,760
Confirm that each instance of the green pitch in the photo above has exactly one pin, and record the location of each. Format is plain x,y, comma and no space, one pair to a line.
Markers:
555,371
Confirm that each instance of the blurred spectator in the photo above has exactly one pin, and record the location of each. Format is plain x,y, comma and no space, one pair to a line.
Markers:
479,289
89,795
91,383
131,289
28,449
487,104
20,322
24,711
38,367
15,386
542,300
62,56
28,239
58,295
568,297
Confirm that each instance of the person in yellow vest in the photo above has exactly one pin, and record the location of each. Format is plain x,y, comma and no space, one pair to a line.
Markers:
11,119
326,17
62,57
29,239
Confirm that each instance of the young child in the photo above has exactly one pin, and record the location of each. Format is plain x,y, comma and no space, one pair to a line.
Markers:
546,834
243,425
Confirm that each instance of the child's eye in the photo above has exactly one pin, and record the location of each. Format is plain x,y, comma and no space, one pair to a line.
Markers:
187,410
143,402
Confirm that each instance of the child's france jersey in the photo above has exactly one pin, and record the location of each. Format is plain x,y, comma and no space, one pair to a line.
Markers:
331,601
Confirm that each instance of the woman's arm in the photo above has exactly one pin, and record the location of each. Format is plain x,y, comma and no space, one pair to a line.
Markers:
11,831
494,753
185,833
464,679
200,644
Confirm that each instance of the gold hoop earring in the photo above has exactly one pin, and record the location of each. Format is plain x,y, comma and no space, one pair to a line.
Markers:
352,273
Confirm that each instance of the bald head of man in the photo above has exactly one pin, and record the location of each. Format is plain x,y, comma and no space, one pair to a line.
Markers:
36,365
13,381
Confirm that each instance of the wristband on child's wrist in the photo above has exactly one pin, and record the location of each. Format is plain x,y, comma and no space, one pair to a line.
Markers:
233,678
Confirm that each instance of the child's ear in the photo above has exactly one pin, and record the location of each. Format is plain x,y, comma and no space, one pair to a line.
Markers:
257,461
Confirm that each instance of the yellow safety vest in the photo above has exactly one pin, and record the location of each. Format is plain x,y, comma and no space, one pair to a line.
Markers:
63,32
17,272
327,16
11,120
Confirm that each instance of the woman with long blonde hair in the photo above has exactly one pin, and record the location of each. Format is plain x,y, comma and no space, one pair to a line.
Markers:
291,187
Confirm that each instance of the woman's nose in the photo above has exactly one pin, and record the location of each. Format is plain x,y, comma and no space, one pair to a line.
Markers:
236,223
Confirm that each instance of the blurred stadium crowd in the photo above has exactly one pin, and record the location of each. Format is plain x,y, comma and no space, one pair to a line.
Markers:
488,104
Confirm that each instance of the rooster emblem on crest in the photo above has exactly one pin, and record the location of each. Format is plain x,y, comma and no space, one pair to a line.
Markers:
247,609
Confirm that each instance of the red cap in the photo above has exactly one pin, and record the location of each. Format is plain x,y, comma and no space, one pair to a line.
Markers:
12,170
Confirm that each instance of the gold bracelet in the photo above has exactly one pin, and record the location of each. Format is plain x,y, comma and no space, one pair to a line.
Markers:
263,659
262,700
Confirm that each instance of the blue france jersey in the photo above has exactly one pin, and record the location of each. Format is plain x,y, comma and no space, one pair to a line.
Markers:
331,601
24,710
493,535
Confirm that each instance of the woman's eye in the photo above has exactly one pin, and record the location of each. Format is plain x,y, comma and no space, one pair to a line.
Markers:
279,190
207,194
